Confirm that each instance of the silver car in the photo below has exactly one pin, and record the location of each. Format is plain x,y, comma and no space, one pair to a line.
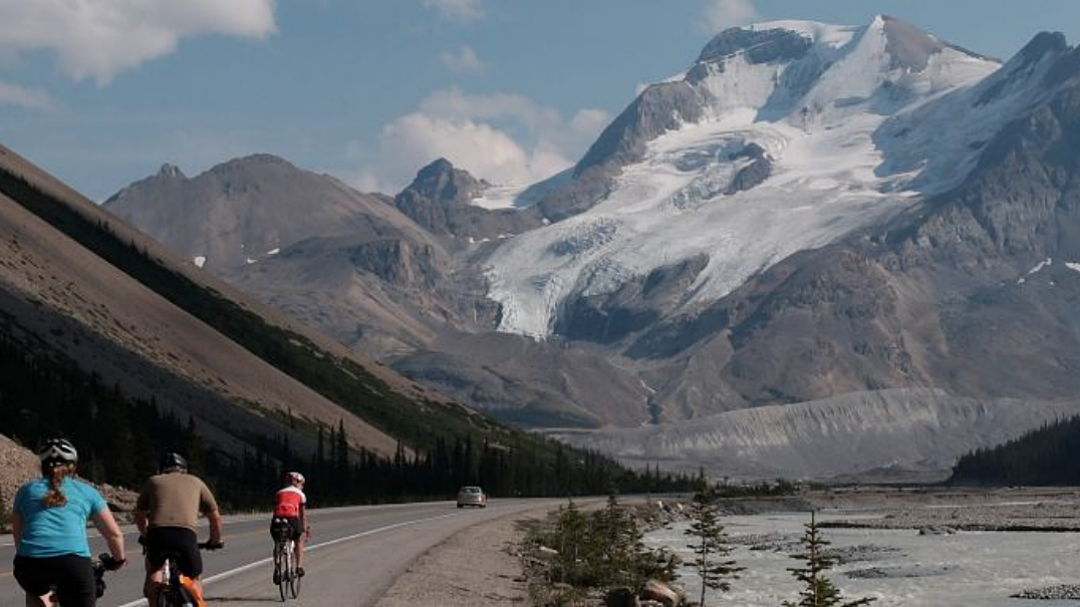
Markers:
471,496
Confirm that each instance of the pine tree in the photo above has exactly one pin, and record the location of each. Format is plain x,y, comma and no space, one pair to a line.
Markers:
819,591
572,532
619,541
710,545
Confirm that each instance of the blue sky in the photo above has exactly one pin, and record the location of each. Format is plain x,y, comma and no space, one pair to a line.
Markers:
103,92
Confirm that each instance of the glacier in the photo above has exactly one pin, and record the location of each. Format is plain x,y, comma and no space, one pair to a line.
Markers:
851,137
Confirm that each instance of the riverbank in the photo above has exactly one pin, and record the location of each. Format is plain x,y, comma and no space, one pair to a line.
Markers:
480,567
944,508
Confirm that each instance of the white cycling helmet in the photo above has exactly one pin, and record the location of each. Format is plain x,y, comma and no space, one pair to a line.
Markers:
55,451
295,476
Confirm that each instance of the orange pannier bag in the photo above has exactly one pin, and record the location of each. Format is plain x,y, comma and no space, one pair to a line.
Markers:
191,591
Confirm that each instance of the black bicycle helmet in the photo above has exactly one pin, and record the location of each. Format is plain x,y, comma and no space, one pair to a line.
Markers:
55,451
172,461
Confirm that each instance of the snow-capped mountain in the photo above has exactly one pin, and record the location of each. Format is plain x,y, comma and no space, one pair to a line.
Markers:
787,136
808,211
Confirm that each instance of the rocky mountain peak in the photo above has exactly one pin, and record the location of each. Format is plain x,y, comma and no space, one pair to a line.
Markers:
907,46
254,165
171,171
441,182
439,200
756,45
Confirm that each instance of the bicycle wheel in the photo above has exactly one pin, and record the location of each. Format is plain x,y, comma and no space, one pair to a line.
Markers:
285,569
294,578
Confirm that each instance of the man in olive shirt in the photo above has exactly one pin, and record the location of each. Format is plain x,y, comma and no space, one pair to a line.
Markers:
167,515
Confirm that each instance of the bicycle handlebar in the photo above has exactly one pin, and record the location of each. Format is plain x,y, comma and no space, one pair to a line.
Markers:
108,563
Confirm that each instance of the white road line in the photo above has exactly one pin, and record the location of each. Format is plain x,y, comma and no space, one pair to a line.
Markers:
228,574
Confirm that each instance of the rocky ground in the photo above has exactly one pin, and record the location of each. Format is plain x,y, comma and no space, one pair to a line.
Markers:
955,509
18,465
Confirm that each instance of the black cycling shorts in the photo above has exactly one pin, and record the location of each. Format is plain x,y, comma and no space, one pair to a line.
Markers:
70,573
181,542
292,522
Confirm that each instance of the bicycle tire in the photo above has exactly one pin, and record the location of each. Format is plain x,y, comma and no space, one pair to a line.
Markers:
294,582
284,569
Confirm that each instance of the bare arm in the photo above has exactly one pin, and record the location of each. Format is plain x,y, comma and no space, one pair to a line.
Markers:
16,527
214,518
107,527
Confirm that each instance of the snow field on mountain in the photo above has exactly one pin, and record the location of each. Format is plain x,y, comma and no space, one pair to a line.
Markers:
831,175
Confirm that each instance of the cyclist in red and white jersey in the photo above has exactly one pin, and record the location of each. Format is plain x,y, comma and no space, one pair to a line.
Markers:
290,502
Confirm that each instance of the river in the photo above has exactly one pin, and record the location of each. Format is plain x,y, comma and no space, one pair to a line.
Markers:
898,567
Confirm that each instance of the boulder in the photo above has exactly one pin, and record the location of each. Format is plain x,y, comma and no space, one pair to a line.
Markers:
662,593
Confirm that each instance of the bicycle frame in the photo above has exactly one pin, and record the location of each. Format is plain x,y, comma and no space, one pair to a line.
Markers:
168,594
168,589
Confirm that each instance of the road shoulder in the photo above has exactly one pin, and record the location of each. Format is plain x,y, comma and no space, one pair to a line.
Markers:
477,567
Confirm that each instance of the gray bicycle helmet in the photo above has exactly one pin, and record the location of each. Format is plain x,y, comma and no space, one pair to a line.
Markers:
172,461
56,451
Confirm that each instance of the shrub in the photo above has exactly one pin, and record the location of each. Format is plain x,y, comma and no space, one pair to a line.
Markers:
586,551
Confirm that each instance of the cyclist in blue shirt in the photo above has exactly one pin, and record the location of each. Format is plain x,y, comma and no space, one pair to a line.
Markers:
49,527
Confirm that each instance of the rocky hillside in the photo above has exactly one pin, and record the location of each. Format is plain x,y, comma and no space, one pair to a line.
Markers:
20,465
104,329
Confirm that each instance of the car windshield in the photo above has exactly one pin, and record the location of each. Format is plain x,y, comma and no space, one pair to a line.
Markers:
470,489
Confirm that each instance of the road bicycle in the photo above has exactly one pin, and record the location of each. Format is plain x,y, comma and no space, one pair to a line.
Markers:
171,590
286,574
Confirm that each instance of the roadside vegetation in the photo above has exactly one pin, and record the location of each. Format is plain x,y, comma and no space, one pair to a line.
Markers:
577,558
574,557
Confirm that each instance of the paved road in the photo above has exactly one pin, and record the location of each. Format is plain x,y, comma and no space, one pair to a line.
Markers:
354,554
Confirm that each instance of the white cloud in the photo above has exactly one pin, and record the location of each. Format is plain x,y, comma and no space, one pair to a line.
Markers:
32,99
463,11
455,103
504,138
463,61
722,14
100,38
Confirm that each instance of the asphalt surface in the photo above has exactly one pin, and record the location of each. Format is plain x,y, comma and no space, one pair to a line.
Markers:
353,557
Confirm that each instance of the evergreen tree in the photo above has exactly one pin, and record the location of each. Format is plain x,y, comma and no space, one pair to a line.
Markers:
619,541
710,546
819,591
572,528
